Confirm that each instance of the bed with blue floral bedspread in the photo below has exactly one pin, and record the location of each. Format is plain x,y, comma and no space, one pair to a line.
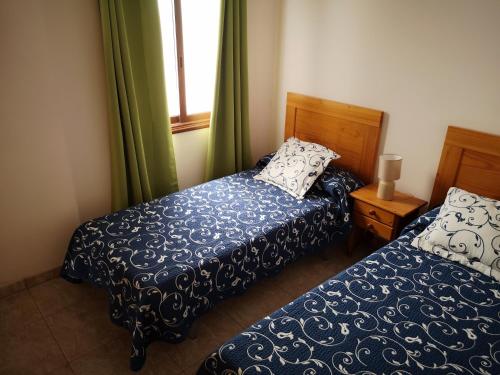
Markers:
398,311
165,262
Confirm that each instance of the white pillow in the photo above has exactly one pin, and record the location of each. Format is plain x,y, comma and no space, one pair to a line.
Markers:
296,165
466,230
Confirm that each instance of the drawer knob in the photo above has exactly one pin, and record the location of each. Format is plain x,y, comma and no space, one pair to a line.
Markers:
370,227
372,212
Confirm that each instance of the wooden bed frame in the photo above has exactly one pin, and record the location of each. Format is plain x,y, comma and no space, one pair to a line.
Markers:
351,131
470,160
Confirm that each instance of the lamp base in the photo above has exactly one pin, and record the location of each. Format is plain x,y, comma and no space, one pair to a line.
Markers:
386,190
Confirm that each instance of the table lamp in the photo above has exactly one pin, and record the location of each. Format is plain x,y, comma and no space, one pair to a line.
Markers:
389,170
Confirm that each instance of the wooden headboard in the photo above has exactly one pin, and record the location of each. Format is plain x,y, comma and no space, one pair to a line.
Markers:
470,160
351,131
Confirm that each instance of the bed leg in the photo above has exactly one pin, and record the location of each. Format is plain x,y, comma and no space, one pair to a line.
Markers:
193,332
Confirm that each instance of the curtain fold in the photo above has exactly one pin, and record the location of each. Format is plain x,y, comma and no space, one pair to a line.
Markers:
229,133
142,155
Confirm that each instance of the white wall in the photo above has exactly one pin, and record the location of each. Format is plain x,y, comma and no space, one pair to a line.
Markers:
264,18
190,157
54,159
425,63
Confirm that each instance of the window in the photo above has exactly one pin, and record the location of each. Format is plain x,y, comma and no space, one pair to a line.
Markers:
190,32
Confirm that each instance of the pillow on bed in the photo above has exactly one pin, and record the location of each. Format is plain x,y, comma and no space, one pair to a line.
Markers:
338,182
466,230
296,165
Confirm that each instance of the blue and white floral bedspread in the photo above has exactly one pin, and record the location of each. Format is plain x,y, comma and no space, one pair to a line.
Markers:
399,311
166,262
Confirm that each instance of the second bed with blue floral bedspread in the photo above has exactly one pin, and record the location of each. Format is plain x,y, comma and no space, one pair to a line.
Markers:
166,262
399,311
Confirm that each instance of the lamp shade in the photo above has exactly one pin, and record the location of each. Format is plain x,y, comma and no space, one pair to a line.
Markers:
389,168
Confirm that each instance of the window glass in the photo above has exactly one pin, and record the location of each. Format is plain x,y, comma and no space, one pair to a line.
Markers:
167,20
200,24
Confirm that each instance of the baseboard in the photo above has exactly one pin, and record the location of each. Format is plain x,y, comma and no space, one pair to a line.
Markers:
29,282
9,289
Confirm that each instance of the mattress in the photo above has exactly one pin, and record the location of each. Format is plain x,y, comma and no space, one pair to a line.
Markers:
166,262
398,311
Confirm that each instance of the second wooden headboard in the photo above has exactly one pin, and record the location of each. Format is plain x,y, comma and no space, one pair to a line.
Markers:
470,160
351,131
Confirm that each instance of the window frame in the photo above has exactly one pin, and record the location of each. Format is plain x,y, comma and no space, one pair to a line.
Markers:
184,122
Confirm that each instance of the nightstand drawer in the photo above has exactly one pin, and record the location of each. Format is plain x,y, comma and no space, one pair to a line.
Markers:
373,226
375,213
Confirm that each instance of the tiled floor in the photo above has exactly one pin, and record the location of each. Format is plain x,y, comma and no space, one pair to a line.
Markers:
60,328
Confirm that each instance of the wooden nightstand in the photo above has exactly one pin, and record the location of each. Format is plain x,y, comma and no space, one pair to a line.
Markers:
384,219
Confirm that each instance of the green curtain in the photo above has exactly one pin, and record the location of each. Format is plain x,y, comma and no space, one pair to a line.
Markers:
229,134
142,156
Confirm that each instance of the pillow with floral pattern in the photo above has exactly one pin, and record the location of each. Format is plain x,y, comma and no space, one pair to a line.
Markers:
467,230
296,165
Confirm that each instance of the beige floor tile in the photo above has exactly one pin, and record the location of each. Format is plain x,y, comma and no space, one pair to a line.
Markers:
257,302
191,370
113,358
17,311
221,325
56,294
312,270
214,328
82,327
30,350
300,277
66,370
77,316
